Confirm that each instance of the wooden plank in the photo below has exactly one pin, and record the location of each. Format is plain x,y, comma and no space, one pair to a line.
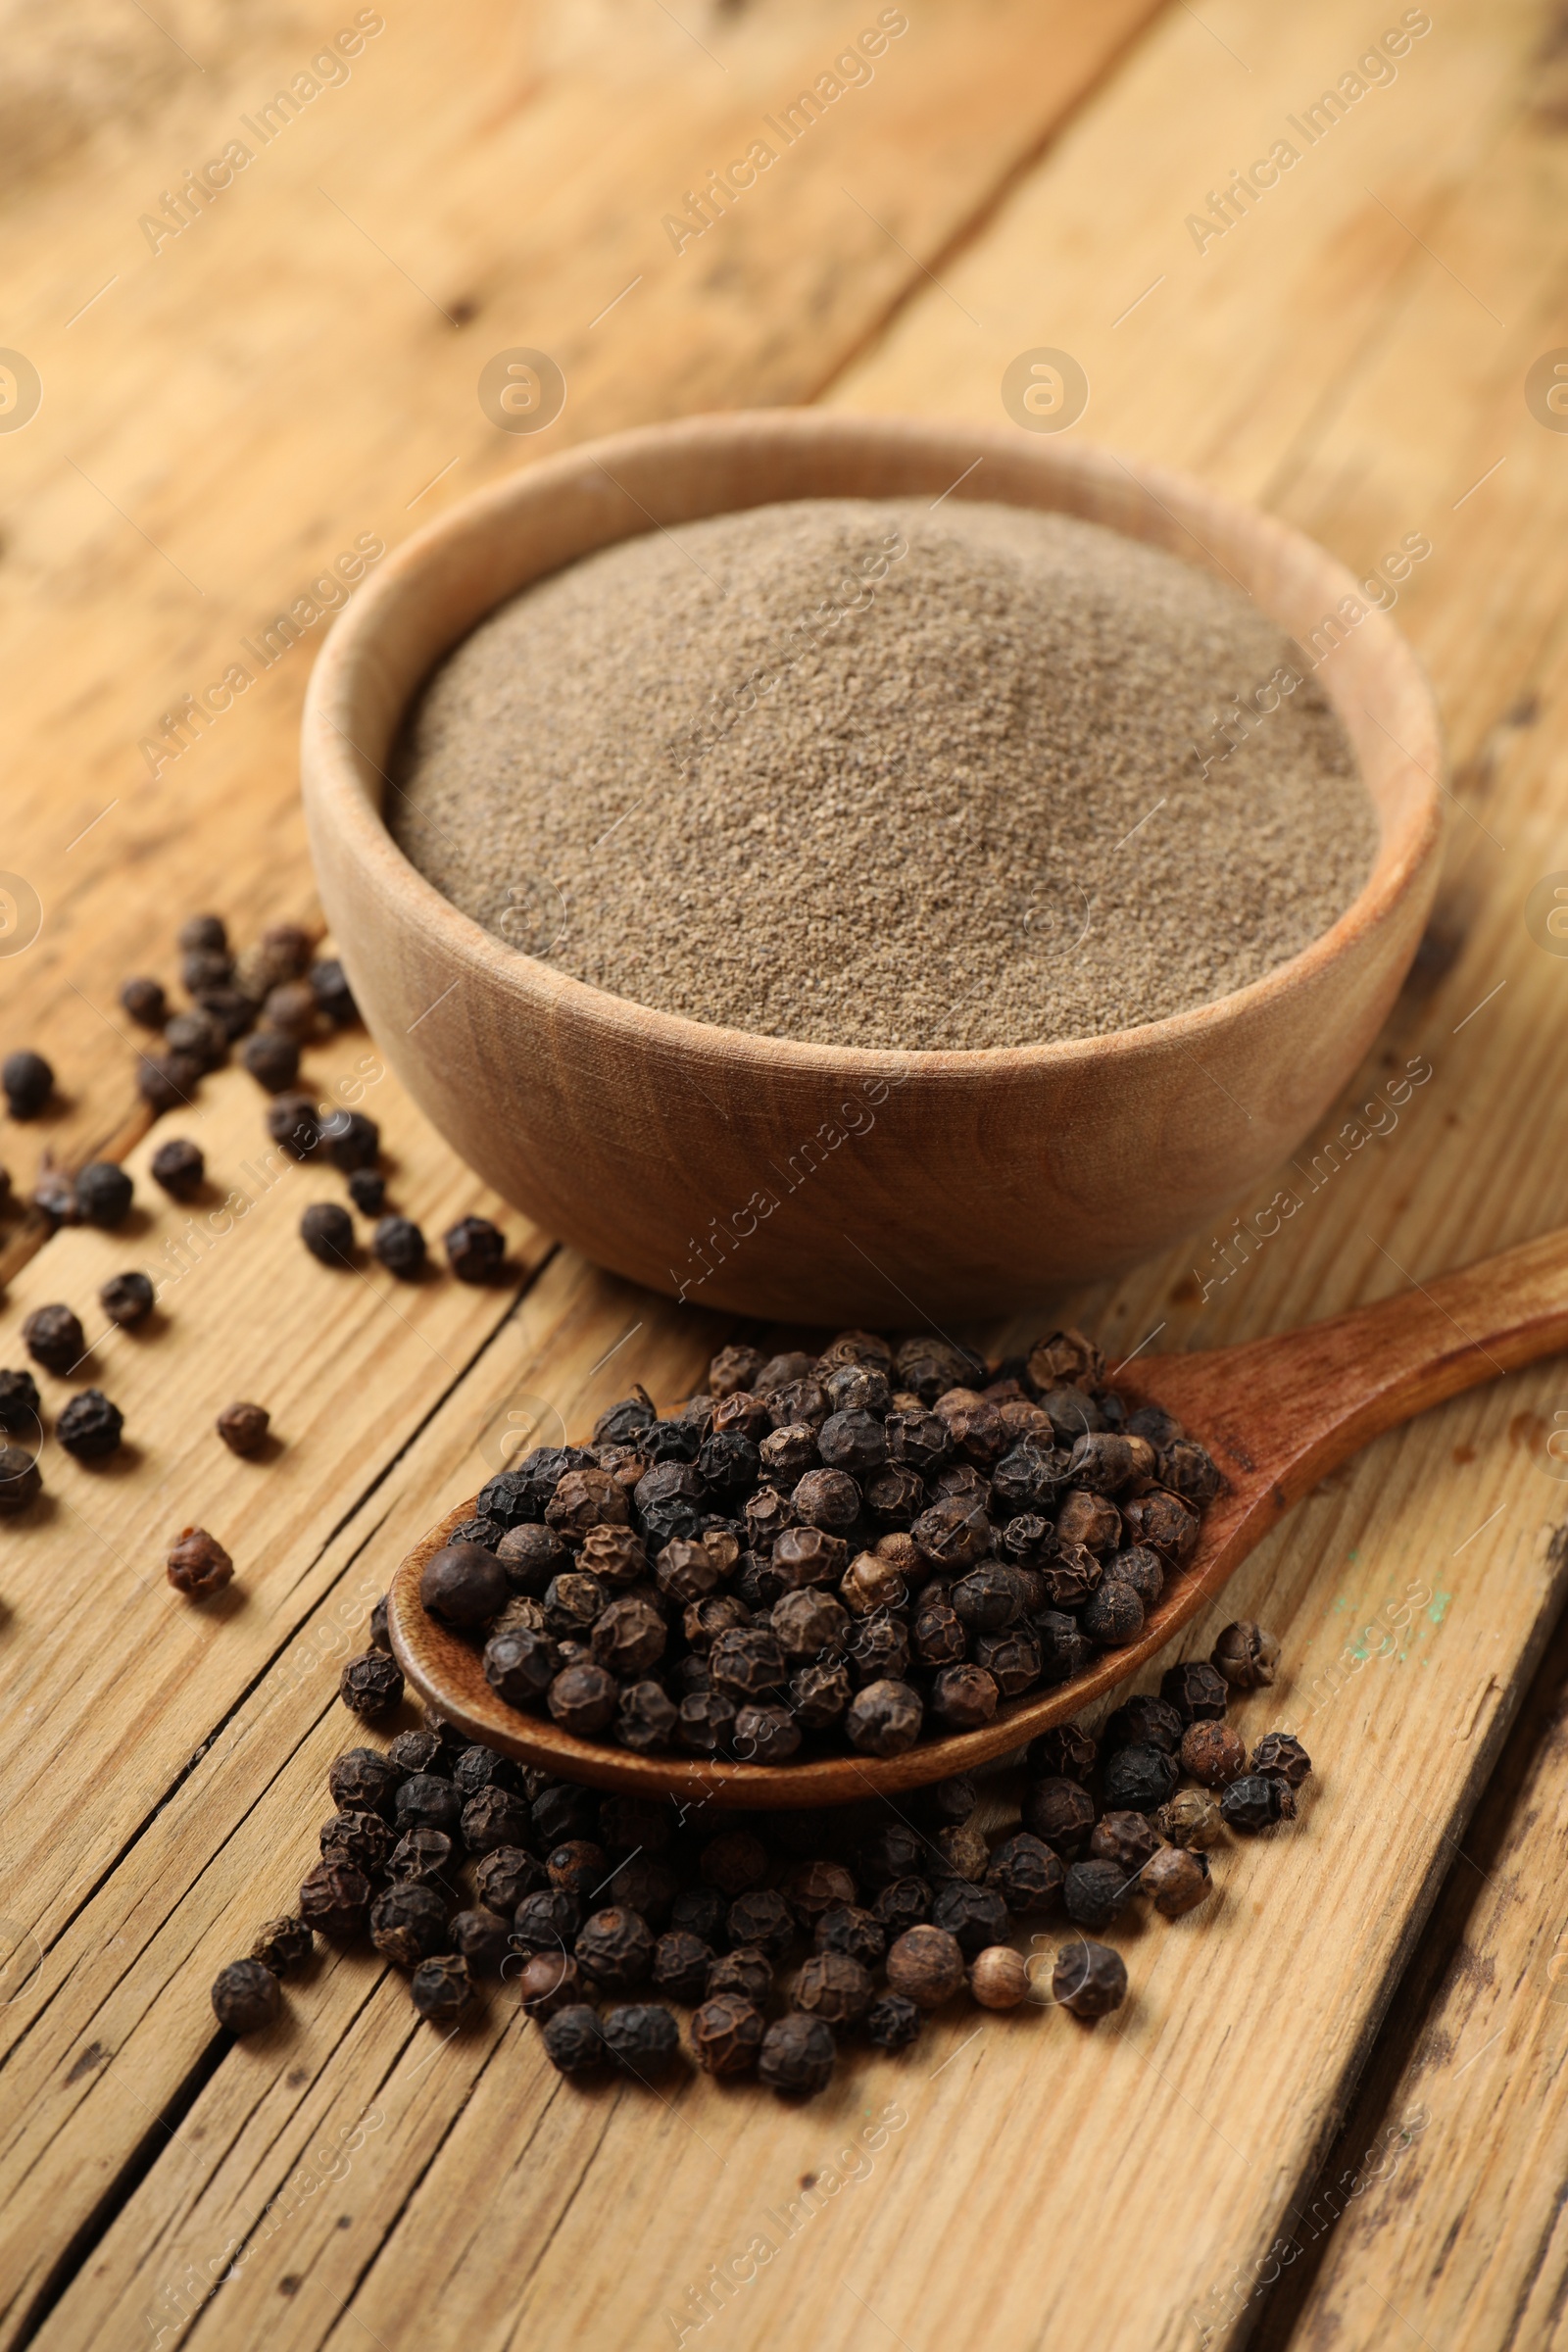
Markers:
472,187
1188,2126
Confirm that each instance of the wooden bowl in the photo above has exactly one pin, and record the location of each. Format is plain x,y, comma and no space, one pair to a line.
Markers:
830,1184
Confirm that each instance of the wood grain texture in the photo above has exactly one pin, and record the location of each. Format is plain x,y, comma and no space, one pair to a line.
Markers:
824,1183
1326,365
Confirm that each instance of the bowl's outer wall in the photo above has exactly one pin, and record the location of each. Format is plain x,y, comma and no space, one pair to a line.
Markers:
817,1184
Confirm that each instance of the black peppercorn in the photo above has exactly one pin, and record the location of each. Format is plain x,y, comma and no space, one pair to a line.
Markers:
1089,1979
330,984
582,1700
202,932
90,1426
727,2035
423,1854
1065,1651
974,1916
700,1911
1139,1779
464,1585
1095,1892
293,1122
1112,1615
832,1987
145,1001
335,1898
578,1866
1065,1752
853,1932
426,1802
616,1947
1177,1879
493,1819
399,1245
165,1080
642,2040
520,1665
363,1780
351,1141
360,1838
1281,1754
27,1081
198,1036
574,2042
371,1686
408,1924
1145,1722
1196,1690
283,1945
368,1192
1026,1874
245,1996
1125,1839
962,1698
416,1751
327,1231
179,1167
19,1401
893,2023
197,1564
884,1719
128,1300
54,1337
1061,1813
441,1988
54,1195
761,1918
1213,1753
902,1904
746,1971
680,1965
20,1480
104,1194
1253,1801
506,1875
545,1920
482,1940
477,1251
797,2055
273,1061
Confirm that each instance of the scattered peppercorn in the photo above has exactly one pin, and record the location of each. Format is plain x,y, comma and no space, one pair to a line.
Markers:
441,1988
1245,1655
368,1192
475,1250
408,1924
893,2022
293,1122
797,2055
728,2034
1089,1979
351,1141
371,1686
54,1337
1196,1690
1139,1779
335,1898
245,1996
1213,1753
54,1195
20,1479
20,1401
103,1192
573,2039
1281,1753
127,1298
292,1008
90,1426
203,933
327,1231
178,1166
284,1946
1178,1880
145,1001
1191,1819
1256,1800
243,1427
27,1082
926,1965
272,1059
198,1564
399,1245
332,992
999,1976
641,2038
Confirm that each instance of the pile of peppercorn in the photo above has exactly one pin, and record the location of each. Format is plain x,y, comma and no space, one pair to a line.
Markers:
852,1549
791,1933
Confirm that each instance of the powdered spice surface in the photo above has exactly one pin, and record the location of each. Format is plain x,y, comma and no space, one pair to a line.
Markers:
868,772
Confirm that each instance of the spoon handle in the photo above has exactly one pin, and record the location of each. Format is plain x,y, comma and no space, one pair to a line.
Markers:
1290,1408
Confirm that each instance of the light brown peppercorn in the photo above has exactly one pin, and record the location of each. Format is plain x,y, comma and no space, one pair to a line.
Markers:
1245,1655
243,1427
1213,1753
872,1583
1191,1819
926,1966
198,1564
1178,1880
965,1849
1125,1839
999,1976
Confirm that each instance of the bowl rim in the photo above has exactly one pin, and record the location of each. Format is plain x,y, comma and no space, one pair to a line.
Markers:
340,779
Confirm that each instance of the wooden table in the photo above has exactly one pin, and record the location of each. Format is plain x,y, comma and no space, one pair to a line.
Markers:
1333,2110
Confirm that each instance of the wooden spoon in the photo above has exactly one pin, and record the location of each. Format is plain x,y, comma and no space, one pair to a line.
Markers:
1276,1414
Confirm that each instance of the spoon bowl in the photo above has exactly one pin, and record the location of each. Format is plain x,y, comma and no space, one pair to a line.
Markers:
1275,1413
